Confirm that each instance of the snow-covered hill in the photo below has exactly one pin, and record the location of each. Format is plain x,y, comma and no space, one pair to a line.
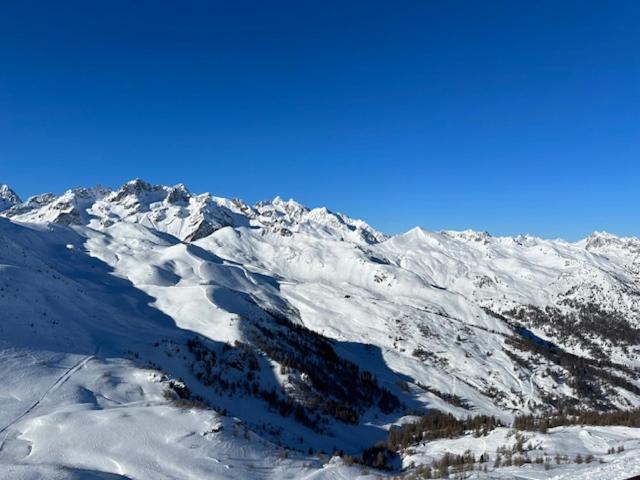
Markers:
224,340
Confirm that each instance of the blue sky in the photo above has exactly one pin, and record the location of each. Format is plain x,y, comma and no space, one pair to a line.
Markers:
511,117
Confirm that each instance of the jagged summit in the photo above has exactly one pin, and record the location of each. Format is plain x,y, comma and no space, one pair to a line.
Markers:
602,239
8,198
70,208
190,217
290,204
468,235
624,250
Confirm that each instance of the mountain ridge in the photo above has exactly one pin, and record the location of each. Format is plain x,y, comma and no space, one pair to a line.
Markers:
180,191
313,329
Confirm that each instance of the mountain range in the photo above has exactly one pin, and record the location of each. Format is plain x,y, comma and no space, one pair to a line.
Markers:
149,332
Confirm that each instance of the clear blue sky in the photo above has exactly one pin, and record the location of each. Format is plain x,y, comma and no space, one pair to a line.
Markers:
506,116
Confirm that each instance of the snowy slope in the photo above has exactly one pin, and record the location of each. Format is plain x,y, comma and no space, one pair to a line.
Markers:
299,328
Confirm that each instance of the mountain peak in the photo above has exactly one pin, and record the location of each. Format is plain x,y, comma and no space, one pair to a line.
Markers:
178,194
288,205
69,208
601,240
8,198
417,231
468,235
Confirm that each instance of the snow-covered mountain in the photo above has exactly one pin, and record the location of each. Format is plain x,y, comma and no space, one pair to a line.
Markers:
175,210
8,198
294,331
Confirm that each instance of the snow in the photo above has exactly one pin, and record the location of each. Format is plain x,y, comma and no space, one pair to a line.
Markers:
91,281
569,441
8,198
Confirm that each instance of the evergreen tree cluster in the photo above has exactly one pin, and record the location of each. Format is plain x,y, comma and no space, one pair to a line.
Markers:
450,398
585,323
437,425
342,389
325,384
213,370
593,380
628,418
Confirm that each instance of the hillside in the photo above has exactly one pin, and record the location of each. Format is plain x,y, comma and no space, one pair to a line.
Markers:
149,332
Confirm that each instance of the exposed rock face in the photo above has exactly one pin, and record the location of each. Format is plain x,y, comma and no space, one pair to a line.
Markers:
8,198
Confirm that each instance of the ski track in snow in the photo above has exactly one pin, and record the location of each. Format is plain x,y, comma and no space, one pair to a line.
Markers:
61,380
